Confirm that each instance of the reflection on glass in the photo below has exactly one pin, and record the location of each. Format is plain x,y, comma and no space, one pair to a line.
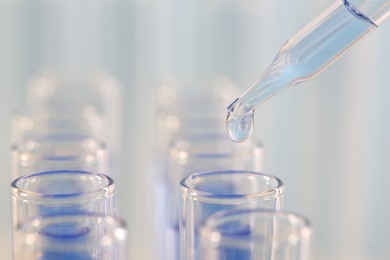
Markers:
71,237
249,234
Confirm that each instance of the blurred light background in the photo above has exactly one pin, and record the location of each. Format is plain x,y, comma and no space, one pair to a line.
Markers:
326,138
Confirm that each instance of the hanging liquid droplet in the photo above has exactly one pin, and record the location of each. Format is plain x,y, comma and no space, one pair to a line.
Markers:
240,128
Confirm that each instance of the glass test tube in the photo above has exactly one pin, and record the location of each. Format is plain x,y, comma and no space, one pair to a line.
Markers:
91,102
59,152
192,105
59,102
61,192
73,236
55,117
185,105
196,153
92,99
249,234
203,194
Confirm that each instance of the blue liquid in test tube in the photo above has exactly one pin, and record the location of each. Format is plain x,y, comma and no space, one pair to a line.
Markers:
79,236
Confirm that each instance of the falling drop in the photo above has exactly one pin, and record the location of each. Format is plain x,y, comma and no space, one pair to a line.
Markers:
240,128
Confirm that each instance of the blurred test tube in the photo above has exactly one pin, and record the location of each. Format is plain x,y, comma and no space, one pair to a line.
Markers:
249,234
192,105
59,152
197,153
60,103
74,236
185,105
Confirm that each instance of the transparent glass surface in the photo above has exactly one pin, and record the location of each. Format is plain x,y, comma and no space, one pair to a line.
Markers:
190,104
192,153
61,102
55,117
249,234
61,192
59,152
73,236
203,194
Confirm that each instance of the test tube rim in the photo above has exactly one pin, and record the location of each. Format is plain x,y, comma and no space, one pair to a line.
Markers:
80,196
210,197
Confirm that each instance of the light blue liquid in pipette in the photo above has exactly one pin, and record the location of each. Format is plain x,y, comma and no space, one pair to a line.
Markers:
304,56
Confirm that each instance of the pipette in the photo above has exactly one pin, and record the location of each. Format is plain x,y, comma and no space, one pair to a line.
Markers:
305,55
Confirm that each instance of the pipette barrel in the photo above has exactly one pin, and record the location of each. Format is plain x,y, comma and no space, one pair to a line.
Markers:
306,54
